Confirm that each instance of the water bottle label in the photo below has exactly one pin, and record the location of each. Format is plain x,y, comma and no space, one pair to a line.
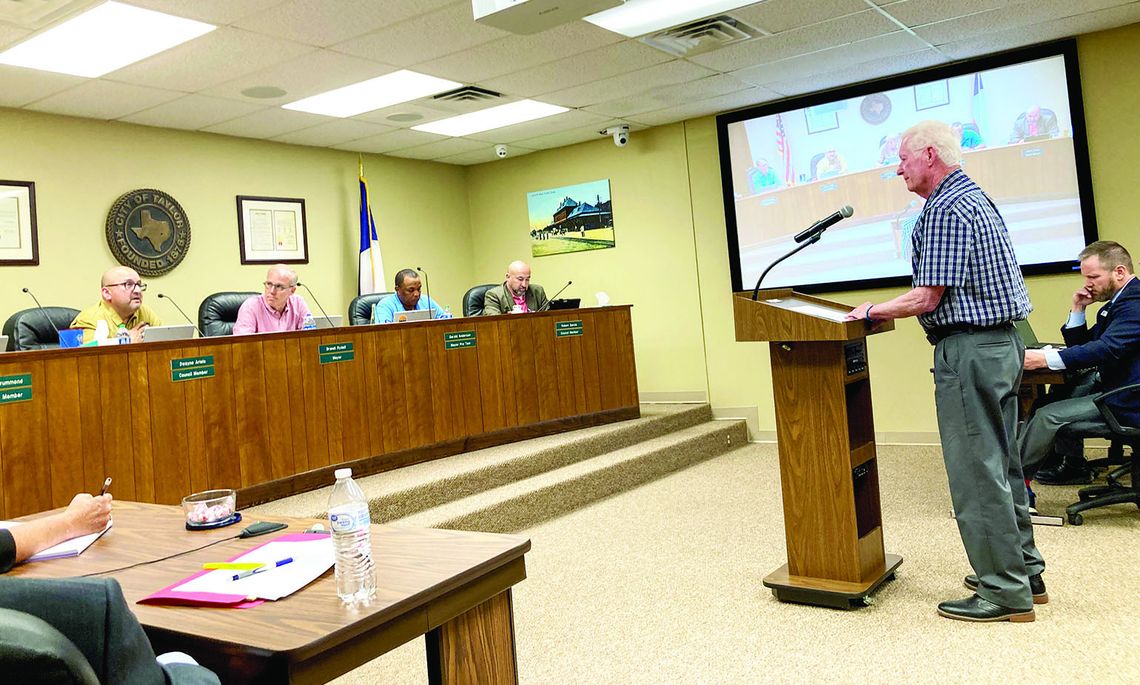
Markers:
348,519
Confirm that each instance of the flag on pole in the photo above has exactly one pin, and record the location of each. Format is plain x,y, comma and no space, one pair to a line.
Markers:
371,268
785,152
978,107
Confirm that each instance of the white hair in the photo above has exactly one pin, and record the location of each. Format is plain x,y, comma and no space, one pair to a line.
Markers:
935,134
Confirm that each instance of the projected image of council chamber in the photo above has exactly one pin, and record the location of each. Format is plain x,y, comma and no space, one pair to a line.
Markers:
789,164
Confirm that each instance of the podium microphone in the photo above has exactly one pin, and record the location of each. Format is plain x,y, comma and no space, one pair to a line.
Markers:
808,236
43,311
427,287
323,312
161,296
548,301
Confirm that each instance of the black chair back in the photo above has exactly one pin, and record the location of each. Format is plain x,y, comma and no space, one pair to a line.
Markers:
218,312
360,309
30,330
32,651
473,299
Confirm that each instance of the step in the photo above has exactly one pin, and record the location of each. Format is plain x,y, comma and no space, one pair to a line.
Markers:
402,492
525,503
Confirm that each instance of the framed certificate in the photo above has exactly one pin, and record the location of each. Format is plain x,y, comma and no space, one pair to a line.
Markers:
272,230
19,241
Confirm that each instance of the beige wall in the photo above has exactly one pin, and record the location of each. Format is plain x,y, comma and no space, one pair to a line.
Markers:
80,167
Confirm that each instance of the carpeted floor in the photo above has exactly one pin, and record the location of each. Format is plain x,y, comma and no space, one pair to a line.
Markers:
662,584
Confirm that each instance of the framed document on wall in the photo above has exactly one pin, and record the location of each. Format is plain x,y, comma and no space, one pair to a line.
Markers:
19,242
272,230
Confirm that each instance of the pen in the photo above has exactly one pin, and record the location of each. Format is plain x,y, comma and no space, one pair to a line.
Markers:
247,574
106,486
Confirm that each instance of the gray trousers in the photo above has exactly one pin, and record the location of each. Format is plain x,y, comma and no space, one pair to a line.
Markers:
1039,435
976,376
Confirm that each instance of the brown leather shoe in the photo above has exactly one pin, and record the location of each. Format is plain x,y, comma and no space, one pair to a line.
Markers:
1036,586
983,611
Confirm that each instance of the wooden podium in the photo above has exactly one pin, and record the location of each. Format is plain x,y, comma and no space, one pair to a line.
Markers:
826,435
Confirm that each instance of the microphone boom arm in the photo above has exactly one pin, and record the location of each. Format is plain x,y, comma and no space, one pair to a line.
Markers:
810,241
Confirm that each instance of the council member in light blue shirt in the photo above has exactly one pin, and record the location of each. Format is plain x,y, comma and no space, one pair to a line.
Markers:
407,298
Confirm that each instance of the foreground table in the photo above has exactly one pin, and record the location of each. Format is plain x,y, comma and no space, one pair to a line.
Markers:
452,587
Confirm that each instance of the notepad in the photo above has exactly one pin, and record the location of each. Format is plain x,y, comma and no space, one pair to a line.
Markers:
68,548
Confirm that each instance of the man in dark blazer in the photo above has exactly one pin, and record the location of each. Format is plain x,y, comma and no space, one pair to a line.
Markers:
516,295
1111,346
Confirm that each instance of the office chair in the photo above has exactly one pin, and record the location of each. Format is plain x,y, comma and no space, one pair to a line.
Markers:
360,309
473,299
29,330
1109,428
218,312
32,651
815,160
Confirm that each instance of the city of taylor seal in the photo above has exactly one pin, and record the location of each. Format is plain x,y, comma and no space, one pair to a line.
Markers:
148,231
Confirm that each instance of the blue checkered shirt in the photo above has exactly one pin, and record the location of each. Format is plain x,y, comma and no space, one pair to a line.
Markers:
961,242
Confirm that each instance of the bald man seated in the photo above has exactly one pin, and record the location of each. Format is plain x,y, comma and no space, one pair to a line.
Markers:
121,295
278,309
517,295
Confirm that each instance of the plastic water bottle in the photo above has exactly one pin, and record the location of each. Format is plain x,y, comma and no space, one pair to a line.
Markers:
309,324
124,335
446,312
349,520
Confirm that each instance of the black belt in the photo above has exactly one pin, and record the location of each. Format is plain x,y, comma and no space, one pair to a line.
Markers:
939,333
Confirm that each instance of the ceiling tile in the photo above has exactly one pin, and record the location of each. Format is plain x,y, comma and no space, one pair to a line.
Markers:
919,12
191,112
333,133
211,59
21,86
426,112
614,87
804,66
776,16
670,96
700,108
1042,32
386,142
964,28
323,23
583,68
828,34
422,38
217,12
442,148
574,136
574,118
100,99
519,52
266,123
9,35
483,155
865,71
309,74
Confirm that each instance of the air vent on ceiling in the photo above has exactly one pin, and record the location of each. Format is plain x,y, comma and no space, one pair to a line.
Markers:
468,94
704,35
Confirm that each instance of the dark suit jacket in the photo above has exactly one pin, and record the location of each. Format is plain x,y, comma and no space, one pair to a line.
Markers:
1112,345
499,301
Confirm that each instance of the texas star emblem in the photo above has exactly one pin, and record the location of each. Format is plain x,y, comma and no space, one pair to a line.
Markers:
148,231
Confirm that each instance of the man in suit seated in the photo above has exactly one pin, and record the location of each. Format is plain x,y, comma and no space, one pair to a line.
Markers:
1111,346
517,295
120,304
407,298
1034,122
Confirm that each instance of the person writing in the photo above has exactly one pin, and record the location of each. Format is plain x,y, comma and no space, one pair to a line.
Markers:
278,309
407,298
967,289
121,296
85,515
517,295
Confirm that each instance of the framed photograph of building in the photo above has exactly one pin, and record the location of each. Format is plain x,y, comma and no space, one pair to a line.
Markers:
19,241
272,230
572,218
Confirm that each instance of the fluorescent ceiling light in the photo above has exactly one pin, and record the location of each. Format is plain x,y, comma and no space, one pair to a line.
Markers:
638,17
382,91
492,117
103,39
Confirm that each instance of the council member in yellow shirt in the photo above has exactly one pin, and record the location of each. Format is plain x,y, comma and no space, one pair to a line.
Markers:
120,304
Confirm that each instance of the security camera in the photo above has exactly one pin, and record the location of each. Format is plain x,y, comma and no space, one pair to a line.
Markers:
500,151
620,134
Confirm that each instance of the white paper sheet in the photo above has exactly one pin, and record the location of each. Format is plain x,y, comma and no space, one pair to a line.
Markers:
311,559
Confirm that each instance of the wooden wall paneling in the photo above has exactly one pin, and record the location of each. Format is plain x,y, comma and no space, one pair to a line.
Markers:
488,369
220,420
623,332
196,437
280,410
521,358
463,372
509,376
117,446
542,337
588,363
91,422
24,447
353,424
418,402
564,376
333,400
298,419
448,423
170,456
252,415
608,362
389,370
316,417
141,403
61,399
368,355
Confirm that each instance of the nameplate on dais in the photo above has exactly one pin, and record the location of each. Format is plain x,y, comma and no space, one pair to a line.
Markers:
457,340
563,329
336,352
191,362
17,388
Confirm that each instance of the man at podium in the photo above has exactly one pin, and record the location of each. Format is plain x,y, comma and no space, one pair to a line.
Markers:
967,290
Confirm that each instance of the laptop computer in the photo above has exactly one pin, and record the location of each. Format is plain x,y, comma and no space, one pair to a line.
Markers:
182,331
334,321
3,344
414,315
1030,338
565,303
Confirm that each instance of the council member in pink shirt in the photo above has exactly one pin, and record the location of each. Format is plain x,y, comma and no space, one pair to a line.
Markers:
278,308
